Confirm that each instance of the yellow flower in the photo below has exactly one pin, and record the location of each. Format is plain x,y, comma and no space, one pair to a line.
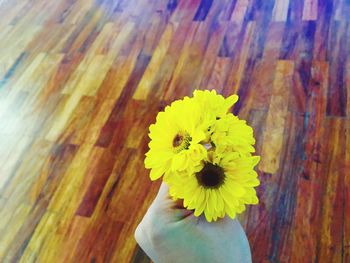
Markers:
175,139
204,153
221,184
214,104
215,107
233,134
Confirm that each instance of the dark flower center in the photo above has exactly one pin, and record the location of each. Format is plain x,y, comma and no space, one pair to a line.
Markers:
177,140
181,141
211,176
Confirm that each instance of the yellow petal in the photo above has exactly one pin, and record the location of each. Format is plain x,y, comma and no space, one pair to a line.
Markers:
213,199
255,200
220,202
210,206
256,160
231,213
231,100
200,208
252,182
237,189
208,215
227,196
156,173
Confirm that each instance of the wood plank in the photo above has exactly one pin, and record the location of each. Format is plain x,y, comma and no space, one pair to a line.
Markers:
175,78
347,83
239,11
220,73
280,10
310,10
236,73
9,164
330,243
274,128
212,49
336,103
145,84
311,176
346,233
284,202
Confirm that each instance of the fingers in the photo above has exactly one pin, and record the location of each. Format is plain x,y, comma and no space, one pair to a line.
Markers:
163,194
188,217
177,210
178,204
187,213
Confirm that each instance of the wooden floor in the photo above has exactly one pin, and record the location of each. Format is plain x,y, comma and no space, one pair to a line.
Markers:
81,81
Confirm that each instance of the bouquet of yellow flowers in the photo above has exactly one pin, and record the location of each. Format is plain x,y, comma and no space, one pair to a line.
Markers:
204,154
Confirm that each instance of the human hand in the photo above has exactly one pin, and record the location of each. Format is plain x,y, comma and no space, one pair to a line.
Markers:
169,233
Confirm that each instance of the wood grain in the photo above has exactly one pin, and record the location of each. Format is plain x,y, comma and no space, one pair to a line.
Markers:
307,210
276,117
81,81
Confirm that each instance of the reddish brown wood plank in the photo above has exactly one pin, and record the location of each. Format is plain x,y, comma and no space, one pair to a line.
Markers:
330,241
311,177
346,233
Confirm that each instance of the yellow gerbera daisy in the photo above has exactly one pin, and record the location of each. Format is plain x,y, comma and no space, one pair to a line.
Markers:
213,103
221,184
234,133
215,107
175,139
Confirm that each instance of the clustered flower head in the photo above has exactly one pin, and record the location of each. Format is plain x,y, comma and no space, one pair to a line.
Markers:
204,154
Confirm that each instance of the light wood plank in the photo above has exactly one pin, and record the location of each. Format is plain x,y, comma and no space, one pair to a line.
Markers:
274,128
